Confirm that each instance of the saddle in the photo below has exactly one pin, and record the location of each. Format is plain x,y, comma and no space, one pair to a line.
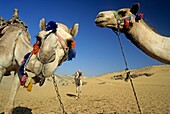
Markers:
5,24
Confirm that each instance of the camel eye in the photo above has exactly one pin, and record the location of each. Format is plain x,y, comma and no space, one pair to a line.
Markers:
122,13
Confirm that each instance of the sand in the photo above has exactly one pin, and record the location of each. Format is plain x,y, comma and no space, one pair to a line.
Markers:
100,95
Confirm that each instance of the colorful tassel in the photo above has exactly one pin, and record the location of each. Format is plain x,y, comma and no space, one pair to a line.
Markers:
126,23
73,44
139,16
29,88
29,79
72,52
36,47
51,26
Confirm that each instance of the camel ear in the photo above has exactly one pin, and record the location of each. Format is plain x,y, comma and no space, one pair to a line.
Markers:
135,8
74,30
42,24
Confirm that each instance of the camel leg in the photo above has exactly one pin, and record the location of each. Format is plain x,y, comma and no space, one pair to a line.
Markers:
15,86
2,72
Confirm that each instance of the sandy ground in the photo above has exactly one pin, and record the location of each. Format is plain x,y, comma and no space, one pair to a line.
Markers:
100,95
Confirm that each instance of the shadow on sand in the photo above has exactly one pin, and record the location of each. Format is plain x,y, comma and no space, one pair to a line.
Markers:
71,95
21,110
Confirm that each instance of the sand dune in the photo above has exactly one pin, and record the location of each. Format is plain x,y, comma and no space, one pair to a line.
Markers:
101,95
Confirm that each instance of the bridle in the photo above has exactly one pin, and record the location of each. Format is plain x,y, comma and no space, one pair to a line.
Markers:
127,20
65,48
62,42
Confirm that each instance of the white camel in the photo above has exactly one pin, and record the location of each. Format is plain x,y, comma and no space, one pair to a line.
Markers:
129,22
79,83
14,39
15,43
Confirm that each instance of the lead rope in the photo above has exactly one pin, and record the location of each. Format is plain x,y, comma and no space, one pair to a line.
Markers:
58,94
127,70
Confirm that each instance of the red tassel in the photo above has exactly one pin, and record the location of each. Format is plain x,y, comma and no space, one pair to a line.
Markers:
126,23
36,48
73,44
140,15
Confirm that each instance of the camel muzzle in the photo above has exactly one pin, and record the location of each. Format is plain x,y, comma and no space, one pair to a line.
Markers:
47,56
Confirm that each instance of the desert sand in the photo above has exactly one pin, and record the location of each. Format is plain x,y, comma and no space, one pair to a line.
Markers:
101,95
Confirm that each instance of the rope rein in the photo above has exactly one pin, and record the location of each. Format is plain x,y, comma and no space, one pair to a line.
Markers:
58,95
127,70
122,50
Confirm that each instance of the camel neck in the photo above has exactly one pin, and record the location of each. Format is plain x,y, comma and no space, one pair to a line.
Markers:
150,42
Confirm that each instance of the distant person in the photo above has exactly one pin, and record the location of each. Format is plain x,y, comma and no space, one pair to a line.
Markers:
79,83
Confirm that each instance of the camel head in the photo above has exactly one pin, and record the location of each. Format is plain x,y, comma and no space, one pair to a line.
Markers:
118,20
55,39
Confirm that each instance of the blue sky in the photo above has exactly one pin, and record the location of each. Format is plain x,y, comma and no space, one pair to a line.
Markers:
98,50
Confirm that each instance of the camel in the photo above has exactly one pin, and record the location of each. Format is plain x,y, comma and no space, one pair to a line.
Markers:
15,43
79,83
14,39
129,22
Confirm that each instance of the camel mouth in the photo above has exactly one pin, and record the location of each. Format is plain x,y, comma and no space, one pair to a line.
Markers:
47,58
99,23
103,23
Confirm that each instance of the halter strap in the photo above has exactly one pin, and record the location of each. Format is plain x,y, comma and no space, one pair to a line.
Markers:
128,18
116,15
65,48
62,42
